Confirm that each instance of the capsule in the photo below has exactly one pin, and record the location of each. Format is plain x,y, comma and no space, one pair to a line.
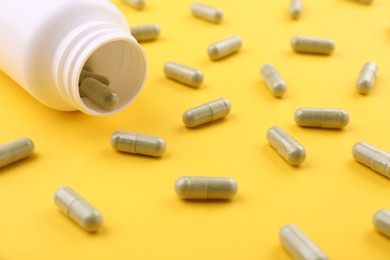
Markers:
322,117
99,93
293,152
88,74
311,45
181,73
298,245
372,157
224,48
275,83
15,151
78,209
295,8
137,4
381,221
207,13
136,143
207,112
203,188
144,33
366,79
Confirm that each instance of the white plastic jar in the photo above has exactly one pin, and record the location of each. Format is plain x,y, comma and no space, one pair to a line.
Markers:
44,44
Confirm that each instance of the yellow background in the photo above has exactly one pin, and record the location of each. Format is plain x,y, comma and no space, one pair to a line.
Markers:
330,197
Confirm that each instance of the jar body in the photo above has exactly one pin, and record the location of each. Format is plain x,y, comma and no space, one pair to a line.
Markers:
46,44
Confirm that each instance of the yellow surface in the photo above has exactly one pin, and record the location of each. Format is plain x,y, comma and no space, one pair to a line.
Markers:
331,197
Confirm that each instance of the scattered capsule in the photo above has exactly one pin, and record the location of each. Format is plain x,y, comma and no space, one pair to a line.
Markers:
372,157
99,93
293,152
136,143
78,209
295,8
183,74
275,83
15,150
298,245
381,221
144,33
366,78
207,13
137,4
194,187
322,117
224,48
207,112
87,74
311,45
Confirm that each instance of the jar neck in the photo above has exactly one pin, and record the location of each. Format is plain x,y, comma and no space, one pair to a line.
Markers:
106,49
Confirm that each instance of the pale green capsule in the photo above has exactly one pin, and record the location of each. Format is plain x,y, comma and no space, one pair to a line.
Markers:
275,83
224,48
144,33
372,157
311,45
135,143
15,150
207,112
322,117
99,93
298,245
292,151
366,79
207,13
381,221
78,209
137,4
295,8
200,187
183,74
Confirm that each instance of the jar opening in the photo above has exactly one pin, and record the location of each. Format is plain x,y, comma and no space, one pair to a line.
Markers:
123,63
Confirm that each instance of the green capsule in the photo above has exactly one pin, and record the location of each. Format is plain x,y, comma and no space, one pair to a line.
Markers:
200,187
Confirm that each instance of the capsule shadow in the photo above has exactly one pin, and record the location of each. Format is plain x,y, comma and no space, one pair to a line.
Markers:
208,201
267,94
19,163
378,239
202,22
147,157
275,158
262,90
388,33
224,59
227,57
358,95
368,173
291,53
358,3
150,42
178,85
208,124
102,231
331,130
311,54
